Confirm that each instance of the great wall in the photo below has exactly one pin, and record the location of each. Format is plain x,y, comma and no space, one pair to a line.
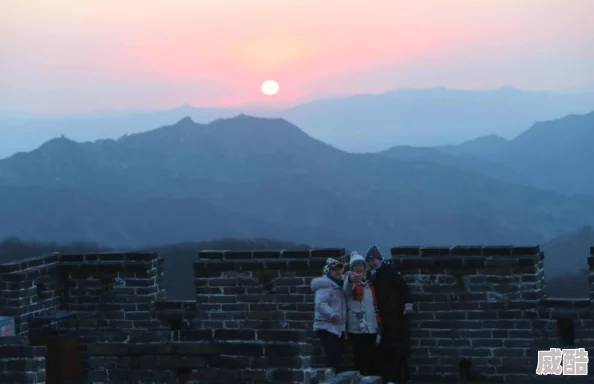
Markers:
481,315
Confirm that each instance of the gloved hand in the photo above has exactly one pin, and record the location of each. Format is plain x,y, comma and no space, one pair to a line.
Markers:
408,308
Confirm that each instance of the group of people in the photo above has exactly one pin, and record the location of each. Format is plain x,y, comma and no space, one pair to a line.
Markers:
369,304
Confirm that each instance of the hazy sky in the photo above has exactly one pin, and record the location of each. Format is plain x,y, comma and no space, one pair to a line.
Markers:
61,56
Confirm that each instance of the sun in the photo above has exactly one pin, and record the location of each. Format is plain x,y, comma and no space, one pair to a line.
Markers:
270,88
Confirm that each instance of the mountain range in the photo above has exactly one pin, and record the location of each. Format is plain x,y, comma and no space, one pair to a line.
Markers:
554,155
359,123
250,177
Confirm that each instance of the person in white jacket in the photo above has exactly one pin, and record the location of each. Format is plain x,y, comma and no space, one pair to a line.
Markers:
362,316
330,312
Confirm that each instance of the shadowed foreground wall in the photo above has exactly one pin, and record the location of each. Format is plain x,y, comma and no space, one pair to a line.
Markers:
480,314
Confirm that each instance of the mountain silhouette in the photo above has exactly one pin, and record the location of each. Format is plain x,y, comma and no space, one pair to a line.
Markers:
359,123
262,177
553,155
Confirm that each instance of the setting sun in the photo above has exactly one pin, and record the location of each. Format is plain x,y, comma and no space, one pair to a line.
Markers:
270,87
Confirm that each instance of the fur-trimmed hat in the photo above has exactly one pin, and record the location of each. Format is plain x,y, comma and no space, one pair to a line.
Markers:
331,264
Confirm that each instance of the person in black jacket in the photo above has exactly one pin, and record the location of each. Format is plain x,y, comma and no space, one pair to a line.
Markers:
394,303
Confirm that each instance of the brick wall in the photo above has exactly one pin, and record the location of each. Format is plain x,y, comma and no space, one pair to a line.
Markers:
207,356
260,290
106,291
20,362
29,286
481,314
475,307
115,290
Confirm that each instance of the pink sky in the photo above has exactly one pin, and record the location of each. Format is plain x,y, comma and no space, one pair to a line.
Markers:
64,56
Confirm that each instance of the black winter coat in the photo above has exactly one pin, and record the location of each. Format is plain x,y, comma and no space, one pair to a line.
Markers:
392,293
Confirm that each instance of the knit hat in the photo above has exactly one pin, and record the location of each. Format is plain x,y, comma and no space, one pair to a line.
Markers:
356,258
373,253
331,264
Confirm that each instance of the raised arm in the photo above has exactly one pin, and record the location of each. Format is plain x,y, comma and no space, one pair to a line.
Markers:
347,286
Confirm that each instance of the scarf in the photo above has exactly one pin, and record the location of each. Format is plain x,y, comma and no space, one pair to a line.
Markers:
337,281
359,292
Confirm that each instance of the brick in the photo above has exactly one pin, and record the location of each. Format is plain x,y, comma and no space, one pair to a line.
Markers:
23,365
196,335
405,251
193,362
13,340
22,351
108,349
234,334
238,255
281,335
285,349
293,254
198,348
266,254
242,349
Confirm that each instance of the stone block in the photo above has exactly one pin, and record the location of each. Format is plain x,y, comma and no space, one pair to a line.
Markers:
297,336
13,340
195,335
108,349
242,349
198,348
293,254
234,334
370,380
350,377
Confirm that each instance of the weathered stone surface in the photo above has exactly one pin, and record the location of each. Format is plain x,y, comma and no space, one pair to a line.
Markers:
351,377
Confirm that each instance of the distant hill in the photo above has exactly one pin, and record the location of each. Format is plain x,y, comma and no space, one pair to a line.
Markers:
554,155
254,177
566,268
481,146
359,123
567,253
460,159
430,117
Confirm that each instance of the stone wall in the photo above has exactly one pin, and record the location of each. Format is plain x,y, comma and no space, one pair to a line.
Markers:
20,362
113,291
260,290
481,314
30,286
207,356
103,292
475,307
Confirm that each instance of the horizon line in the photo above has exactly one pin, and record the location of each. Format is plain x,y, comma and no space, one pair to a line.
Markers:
24,114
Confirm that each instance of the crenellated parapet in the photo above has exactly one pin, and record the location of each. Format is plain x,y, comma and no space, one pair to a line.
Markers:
481,314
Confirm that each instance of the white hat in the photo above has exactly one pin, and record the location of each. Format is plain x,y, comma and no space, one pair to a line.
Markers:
330,265
356,258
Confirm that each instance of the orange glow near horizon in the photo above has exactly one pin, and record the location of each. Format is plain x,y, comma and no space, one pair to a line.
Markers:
148,53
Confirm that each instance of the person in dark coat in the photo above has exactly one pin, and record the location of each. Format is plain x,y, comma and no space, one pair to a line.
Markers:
394,303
